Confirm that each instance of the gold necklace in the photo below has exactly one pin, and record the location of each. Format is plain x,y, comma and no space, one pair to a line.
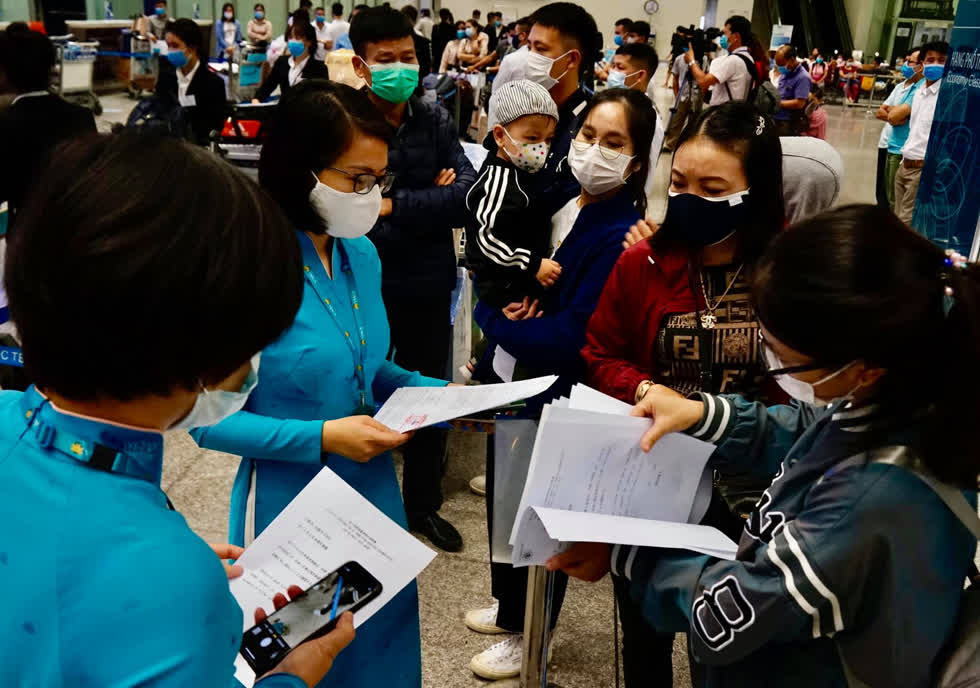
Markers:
708,319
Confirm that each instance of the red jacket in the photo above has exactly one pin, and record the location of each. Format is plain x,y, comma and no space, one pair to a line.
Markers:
620,338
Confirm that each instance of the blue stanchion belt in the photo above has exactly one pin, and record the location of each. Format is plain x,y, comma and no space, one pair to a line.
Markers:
114,53
11,356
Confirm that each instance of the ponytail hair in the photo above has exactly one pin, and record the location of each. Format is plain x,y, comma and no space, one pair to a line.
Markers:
856,283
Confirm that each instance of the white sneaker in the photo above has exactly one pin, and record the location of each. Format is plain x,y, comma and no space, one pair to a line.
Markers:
502,660
484,620
478,485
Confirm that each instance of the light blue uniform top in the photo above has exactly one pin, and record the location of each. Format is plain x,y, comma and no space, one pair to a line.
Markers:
104,584
306,377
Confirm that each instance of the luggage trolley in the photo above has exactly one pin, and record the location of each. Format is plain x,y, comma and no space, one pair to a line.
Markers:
240,140
143,65
73,71
251,59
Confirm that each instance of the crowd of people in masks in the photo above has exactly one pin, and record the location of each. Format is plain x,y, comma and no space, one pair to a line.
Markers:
828,354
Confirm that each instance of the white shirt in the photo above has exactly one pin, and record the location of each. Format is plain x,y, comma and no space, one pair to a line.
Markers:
562,223
923,110
655,145
229,29
733,71
184,81
322,34
512,67
424,27
296,70
680,70
336,29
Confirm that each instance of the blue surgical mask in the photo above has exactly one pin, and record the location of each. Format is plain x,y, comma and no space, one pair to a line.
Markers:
496,23
178,58
260,15
460,33
212,407
933,72
296,48
470,32
616,79
160,11
723,42
819,60
618,39
908,71
783,69
320,19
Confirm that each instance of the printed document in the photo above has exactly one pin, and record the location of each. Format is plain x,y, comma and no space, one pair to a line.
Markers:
411,408
325,526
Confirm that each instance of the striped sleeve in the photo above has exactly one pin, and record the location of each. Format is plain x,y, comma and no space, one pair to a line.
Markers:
489,204
718,418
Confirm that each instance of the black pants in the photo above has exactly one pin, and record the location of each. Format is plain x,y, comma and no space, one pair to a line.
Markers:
647,653
508,585
420,337
880,196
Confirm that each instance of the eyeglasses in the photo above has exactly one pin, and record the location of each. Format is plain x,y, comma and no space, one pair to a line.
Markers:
364,183
608,152
788,370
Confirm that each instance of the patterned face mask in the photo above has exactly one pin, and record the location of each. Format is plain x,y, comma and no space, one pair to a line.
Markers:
529,157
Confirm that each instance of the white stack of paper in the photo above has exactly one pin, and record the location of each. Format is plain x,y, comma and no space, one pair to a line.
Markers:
411,408
589,481
325,526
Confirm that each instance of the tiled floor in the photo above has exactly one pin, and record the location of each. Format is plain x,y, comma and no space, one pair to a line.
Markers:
199,483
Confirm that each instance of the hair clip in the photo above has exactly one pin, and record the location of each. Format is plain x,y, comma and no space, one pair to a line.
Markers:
957,261
762,125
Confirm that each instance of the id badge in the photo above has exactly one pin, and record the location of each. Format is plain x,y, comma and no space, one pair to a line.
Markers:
188,101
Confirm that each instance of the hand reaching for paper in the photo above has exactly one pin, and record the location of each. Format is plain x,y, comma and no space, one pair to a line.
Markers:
671,412
228,552
588,561
311,661
359,438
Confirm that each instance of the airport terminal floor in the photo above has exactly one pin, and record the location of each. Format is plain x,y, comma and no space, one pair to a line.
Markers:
199,482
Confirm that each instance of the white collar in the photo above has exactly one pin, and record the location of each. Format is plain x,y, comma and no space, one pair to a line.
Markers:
934,89
187,78
293,64
31,94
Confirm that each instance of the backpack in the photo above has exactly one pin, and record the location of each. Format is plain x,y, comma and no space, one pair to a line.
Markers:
762,93
959,664
158,117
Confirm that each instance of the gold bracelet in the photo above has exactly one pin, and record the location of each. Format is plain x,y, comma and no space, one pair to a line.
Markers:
641,390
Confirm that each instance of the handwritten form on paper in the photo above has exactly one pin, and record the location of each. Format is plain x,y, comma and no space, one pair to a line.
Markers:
411,408
590,481
325,526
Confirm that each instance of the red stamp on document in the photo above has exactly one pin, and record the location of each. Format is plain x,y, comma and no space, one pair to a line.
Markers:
413,422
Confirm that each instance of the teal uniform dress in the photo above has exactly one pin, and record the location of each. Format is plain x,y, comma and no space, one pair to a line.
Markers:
309,375
106,585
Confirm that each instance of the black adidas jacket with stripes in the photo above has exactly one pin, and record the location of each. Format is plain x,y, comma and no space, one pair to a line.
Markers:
865,560
506,235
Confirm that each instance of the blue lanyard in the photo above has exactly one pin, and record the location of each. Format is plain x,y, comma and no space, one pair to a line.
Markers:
358,349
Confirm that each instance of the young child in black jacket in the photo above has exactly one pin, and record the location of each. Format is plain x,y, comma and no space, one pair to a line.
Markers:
506,236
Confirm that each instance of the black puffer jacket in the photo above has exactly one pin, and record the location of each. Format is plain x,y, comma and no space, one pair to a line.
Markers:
415,241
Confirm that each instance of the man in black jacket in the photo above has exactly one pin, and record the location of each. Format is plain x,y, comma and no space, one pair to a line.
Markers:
414,238
37,120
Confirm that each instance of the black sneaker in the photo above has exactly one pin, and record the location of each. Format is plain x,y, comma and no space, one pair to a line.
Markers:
440,532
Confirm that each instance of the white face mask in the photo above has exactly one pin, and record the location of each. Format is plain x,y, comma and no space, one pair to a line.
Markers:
348,215
594,172
803,391
538,69
212,407
529,157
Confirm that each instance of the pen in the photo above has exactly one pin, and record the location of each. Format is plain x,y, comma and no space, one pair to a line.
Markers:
336,597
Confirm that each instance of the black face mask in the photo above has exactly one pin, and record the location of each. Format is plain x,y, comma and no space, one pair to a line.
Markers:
701,221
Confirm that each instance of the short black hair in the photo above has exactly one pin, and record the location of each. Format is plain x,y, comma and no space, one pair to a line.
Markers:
145,264
575,23
188,31
160,2
257,6
411,12
625,21
742,26
27,58
476,13
941,47
524,24
643,54
337,9
641,27
305,4
289,159
304,31
377,24
446,16
425,12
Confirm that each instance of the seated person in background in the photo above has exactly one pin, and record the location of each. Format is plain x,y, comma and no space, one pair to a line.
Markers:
506,241
37,120
295,64
259,28
185,81
633,67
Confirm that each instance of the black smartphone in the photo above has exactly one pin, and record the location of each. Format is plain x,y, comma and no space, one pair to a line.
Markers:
310,615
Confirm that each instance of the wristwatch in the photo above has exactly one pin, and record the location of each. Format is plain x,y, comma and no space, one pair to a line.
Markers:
642,389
